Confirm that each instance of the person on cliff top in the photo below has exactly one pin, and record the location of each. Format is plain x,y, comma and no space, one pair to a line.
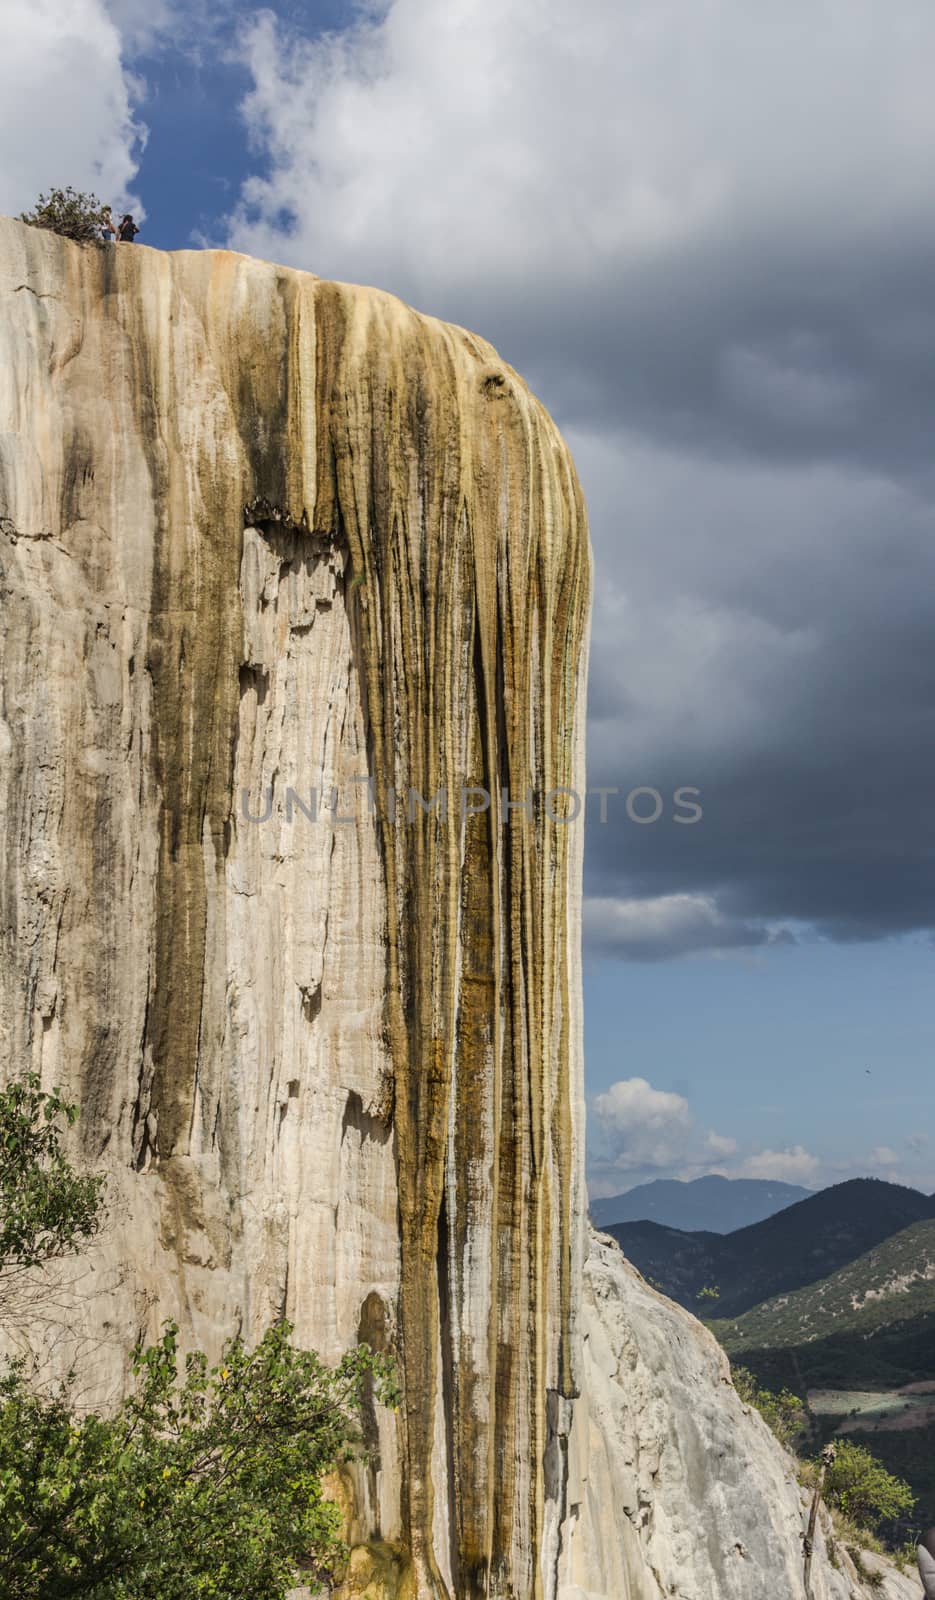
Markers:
108,231
128,229
926,1555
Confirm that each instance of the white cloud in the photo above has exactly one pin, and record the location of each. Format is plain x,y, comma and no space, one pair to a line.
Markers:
884,1156
632,1105
65,103
719,1144
793,1165
636,1131
477,143
656,929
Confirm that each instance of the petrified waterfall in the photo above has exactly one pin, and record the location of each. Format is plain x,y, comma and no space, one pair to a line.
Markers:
293,610
265,537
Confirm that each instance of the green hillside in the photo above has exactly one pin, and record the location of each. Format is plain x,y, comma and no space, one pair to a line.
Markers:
873,1320
860,1345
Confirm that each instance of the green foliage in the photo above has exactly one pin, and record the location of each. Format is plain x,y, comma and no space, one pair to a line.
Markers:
708,1292
784,1412
860,1486
70,212
204,1484
906,1556
908,1453
47,1209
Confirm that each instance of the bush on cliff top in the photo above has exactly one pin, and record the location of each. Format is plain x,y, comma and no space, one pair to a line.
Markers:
70,212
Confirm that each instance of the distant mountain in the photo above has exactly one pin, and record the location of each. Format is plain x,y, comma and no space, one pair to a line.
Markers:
711,1205
799,1245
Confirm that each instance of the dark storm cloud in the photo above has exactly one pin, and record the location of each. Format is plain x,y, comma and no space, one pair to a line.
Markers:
743,355
705,235
769,644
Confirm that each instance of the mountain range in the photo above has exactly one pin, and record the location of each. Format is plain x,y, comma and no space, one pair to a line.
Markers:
800,1245
712,1204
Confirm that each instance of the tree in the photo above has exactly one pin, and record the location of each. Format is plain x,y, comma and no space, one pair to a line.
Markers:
784,1412
205,1484
205,1481
860,1486
47,1209
70,212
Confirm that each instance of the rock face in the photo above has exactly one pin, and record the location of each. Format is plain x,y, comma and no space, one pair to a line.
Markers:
265,537
294,605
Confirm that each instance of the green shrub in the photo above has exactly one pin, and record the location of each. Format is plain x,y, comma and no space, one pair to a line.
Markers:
860,1486
47,1209
70,212
205,1484
784,1413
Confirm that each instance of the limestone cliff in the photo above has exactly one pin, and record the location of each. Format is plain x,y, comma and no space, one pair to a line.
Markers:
294,604
265,537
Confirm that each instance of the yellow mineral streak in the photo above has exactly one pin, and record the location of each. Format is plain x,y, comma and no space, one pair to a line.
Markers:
466,524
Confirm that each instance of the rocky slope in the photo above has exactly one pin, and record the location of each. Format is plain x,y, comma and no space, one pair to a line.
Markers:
273,553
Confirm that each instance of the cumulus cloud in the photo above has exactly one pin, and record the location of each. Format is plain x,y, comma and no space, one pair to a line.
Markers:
794,1165
884,1156
526,143
703,233
66,104
636,1131
655,929
632,1105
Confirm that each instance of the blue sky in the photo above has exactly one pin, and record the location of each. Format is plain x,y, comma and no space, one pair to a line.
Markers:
196,154
704,235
